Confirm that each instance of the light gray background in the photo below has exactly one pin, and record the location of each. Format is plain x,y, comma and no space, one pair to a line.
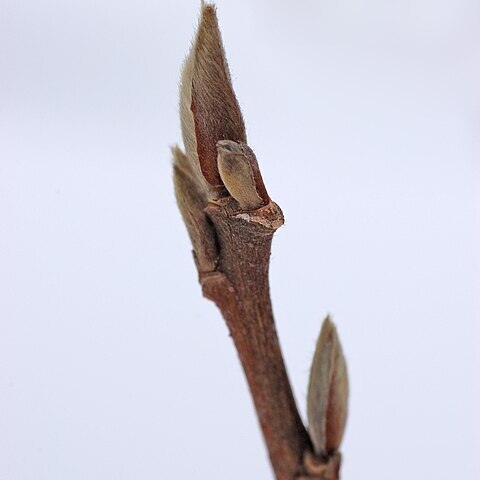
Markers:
365,117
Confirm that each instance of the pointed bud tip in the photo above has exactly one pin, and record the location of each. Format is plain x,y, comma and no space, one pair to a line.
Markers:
207,6
328,327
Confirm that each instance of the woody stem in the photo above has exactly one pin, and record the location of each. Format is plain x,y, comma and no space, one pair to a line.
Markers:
240,288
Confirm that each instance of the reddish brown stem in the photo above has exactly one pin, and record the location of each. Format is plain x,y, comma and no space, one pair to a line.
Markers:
240,288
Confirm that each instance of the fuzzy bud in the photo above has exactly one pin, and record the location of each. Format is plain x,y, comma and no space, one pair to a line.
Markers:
240,174
327,401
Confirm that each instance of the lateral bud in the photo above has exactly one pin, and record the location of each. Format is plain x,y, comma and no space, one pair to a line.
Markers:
191,200
240,174
327,400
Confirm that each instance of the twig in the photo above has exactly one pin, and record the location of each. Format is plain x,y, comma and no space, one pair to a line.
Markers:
231,221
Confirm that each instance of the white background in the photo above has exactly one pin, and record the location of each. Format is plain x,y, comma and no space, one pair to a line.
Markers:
365,117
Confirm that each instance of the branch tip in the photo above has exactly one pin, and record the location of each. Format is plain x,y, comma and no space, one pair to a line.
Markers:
209,109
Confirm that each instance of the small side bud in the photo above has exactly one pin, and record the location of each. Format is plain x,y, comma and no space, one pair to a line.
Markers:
191,200
240,174
327,402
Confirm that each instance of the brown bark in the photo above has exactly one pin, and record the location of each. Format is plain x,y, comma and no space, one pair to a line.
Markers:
240,288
